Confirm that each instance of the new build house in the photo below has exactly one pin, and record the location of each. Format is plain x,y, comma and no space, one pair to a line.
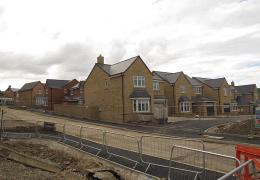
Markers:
31,94
54,91
75,94
247,98
11,94
177,89
219,90
120,92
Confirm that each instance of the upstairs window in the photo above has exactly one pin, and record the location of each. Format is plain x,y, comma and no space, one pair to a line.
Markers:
39,91
139,81
225,91
197,90
182,89
156,85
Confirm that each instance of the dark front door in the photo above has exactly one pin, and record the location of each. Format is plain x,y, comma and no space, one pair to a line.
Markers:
210,109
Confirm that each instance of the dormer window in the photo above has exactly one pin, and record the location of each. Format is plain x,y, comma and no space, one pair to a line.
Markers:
139,81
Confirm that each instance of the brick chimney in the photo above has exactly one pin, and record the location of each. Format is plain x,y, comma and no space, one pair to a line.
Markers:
100,59
232,83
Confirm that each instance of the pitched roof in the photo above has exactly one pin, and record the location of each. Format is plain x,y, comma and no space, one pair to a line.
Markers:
156,77
169,77
249,88
215,83
139,93
56,83
200,98
29,86
81,83
117,68
193,81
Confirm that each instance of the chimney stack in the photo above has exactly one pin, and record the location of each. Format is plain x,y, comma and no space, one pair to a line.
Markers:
232,83
100,59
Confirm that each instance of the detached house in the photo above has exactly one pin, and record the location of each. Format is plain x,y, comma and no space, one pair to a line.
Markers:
11,93
220,91
120,92
201,104
178,90
247,97
32,94
74,94
54,91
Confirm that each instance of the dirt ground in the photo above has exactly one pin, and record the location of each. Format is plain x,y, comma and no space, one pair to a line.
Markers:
71,166
154,144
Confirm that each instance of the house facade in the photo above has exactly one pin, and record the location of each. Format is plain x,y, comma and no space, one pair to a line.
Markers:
202,105
220,91
32,95
178,91
121,92
247,97
74,95
11,93
54,91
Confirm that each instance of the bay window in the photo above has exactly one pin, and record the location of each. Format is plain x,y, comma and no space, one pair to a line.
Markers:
185,106
141,105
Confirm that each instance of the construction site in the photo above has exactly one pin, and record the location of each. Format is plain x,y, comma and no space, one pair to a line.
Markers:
42,146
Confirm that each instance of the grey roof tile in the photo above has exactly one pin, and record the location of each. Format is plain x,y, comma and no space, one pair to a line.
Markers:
215,83
169,77
56,83
139,93
117,68
29,86
249,88
193,81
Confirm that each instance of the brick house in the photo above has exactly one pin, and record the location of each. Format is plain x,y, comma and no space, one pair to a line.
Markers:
247,97
120,92
31,94
11,93
219,90
75,94
54,91
178,90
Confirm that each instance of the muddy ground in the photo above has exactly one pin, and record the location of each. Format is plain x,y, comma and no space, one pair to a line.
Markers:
71,167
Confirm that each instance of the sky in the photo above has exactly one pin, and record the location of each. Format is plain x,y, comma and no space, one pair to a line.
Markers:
61,39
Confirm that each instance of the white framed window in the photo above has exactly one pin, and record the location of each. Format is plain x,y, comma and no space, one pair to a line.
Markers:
185,106
182,89
39,91
156,85
233,107
197,90
139,81
225,91
141,105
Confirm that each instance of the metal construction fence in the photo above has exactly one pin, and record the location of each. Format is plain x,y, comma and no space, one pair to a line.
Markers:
187,157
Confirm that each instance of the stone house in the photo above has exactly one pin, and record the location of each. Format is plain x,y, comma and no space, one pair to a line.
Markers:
177,89
219,90
74,95
202,105
247,97
121,92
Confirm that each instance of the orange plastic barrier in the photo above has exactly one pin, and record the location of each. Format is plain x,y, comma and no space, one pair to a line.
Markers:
245,153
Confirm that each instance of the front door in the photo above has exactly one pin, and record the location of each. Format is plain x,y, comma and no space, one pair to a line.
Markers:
210,109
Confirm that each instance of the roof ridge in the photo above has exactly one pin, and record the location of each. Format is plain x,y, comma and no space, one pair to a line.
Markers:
124,60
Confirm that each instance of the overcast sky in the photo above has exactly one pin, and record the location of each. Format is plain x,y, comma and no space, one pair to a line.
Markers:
61,39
